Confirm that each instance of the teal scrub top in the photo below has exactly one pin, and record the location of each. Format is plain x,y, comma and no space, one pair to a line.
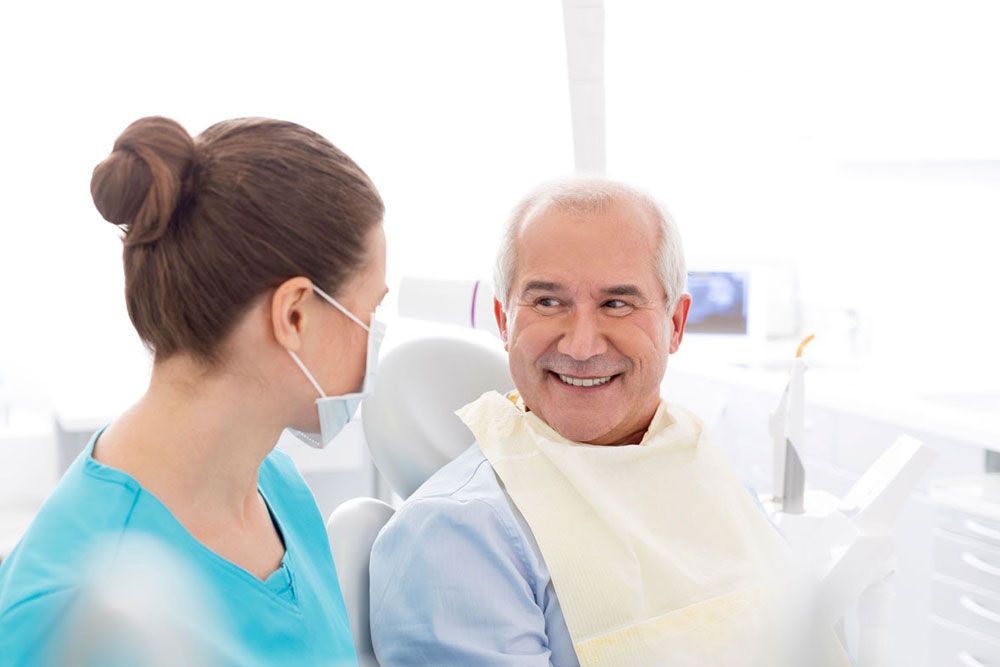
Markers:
295,617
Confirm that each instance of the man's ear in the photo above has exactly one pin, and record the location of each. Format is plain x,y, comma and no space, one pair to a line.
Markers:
288,312
679,319
501,316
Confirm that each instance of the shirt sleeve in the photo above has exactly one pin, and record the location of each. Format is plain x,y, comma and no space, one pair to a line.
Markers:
450,586
29,629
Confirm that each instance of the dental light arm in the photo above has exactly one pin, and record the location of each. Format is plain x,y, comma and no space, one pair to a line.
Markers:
584,24
464,303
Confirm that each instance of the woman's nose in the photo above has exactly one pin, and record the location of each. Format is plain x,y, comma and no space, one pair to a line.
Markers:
583,337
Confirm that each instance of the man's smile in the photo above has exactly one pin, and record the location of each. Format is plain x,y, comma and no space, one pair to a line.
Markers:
582,384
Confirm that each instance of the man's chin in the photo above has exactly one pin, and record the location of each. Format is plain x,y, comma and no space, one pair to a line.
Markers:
582,428
584,417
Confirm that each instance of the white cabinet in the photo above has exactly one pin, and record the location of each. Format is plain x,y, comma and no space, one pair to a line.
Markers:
956,646
965,602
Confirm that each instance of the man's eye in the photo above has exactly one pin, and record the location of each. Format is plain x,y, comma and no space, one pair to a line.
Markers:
547,302
615,304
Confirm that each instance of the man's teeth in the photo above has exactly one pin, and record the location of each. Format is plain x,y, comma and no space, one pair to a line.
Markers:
584,382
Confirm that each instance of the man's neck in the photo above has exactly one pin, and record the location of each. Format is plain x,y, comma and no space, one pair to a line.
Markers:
630,438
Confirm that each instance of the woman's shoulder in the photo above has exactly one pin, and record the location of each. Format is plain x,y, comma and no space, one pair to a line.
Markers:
85,510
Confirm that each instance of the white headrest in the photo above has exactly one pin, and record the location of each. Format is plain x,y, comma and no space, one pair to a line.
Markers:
352,529
409,420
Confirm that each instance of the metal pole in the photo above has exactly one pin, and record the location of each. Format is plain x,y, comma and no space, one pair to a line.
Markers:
584,24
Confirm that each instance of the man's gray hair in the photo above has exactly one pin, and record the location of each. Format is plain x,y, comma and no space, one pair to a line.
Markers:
585,195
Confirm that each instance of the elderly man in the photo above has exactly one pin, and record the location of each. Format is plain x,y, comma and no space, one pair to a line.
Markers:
591,523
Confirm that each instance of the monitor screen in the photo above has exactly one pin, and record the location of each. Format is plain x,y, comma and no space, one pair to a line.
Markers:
718,302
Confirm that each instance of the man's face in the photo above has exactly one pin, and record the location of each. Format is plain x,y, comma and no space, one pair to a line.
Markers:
587,327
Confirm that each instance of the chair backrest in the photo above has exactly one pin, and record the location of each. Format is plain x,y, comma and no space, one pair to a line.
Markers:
412,431
352,529
409,420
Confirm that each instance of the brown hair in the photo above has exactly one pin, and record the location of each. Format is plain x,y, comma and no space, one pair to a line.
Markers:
213,222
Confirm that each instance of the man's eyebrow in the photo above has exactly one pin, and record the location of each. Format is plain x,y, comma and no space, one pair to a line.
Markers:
623,290
541,286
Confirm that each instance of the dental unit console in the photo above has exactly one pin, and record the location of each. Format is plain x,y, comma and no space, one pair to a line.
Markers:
846,543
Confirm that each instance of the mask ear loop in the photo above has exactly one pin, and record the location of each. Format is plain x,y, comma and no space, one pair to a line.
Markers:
309,375
333,302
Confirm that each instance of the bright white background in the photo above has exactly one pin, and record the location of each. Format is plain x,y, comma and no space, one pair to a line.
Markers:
859,139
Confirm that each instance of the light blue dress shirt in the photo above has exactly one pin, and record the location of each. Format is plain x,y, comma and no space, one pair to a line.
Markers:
457,579
295,617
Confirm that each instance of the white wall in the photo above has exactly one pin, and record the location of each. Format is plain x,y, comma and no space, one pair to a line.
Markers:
454,108
858,139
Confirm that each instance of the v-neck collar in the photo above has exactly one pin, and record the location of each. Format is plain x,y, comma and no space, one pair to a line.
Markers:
279,585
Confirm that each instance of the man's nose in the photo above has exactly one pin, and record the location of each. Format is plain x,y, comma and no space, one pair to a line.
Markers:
583,337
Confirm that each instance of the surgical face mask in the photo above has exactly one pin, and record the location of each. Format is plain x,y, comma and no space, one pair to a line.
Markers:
336,411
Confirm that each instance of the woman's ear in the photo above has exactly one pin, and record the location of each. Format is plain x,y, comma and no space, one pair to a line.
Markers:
289,312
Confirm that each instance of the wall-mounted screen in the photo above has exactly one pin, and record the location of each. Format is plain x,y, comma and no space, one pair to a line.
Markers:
718,302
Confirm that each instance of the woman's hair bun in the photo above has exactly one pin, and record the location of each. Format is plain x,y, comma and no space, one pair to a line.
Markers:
146,177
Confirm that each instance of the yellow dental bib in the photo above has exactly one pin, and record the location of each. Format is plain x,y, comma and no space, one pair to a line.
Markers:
658,554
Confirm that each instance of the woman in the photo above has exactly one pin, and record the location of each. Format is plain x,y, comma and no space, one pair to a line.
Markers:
254,259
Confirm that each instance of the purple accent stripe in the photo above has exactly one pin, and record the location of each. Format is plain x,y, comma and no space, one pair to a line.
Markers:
472,316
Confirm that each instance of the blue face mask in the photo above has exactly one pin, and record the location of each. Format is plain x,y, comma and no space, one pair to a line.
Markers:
336,411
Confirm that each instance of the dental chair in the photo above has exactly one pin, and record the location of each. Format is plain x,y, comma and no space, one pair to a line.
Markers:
412,432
